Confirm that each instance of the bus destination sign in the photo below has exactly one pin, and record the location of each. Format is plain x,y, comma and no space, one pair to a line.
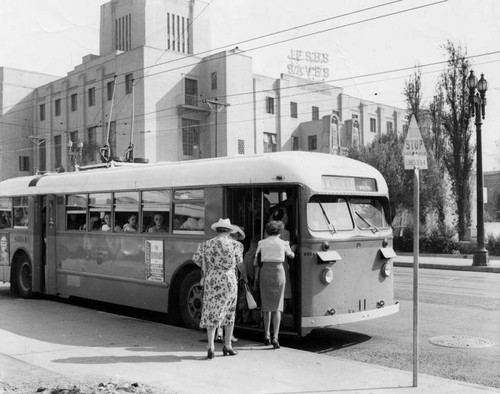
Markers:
349,184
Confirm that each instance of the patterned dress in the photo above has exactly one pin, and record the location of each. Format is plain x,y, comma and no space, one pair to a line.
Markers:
219,256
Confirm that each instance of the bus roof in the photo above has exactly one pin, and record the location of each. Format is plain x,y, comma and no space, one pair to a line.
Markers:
307,168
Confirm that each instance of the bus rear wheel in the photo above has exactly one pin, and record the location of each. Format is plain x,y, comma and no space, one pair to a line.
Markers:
191,299
24,277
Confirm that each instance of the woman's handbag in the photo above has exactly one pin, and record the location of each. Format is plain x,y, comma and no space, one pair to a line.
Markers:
250,300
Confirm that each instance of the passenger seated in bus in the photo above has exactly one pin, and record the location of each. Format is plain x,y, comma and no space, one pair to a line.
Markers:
193,224
94,224
106,226
131,225
5,219
158,226
21,217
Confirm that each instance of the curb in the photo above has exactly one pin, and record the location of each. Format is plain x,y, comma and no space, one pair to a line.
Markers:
449,267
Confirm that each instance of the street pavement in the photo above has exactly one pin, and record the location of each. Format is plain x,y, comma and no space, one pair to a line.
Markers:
89,345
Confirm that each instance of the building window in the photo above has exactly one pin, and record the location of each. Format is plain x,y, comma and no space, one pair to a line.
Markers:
270,105
123,33
57,109
191,91
295,143
74,102
110,89
241,147
315,113
57,151
373,125
91,144
24,163
190,136
91,97
269,142
312,142
213,78
42,112
178,32
389,128
129,81
293,109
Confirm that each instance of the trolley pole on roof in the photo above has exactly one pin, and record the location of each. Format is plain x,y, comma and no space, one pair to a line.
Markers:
415,158
216,106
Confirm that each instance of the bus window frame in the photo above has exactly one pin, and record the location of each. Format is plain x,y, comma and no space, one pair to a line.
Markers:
6,207
135,209
83,226
182,197
23,205
160,208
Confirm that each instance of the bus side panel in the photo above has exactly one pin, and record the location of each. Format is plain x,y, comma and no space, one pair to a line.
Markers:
128,270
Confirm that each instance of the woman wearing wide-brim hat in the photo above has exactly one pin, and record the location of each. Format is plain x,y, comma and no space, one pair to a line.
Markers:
218,258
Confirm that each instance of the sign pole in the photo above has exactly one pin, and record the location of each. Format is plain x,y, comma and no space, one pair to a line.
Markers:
416,219
415,158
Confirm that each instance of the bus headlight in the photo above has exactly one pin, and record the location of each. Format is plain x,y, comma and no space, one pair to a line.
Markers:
386,269
327,276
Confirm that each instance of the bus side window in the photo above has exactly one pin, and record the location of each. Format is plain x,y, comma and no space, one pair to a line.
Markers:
21,211
126,206
155,211
99,204
189,211
76,211
5,212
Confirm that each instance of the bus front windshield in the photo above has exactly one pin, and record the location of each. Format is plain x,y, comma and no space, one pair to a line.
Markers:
333,214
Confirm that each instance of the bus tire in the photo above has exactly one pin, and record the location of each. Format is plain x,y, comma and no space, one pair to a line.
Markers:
24,277
191,299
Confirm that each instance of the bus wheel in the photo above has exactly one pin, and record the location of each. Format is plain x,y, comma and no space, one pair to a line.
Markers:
23,277
190,300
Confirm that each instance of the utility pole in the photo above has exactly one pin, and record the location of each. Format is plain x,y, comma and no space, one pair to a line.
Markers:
37,141
216,106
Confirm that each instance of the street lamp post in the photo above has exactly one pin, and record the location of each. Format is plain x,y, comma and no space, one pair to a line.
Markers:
75,154
478,104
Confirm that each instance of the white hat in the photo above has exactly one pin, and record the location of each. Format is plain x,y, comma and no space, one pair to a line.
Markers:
237,229
224,223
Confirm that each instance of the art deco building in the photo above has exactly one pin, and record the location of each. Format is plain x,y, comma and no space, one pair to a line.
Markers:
157,85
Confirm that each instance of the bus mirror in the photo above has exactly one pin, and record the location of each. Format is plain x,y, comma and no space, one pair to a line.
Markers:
330,256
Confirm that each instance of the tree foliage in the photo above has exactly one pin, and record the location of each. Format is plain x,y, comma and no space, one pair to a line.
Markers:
433,141
452,118
386,154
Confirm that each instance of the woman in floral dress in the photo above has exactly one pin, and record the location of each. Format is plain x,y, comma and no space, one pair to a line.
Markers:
218,258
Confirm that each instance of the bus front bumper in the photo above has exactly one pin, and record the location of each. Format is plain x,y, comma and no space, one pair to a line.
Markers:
309,323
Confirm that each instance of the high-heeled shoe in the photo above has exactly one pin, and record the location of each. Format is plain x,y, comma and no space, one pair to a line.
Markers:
267,340
276,344
227,350
210,354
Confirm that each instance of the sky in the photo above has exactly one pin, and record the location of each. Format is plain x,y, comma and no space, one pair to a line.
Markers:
367,47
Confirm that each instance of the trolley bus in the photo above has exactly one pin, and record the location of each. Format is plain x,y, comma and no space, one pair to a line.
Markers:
337,217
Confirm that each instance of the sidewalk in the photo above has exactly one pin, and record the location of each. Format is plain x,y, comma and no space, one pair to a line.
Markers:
85,344
457,262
